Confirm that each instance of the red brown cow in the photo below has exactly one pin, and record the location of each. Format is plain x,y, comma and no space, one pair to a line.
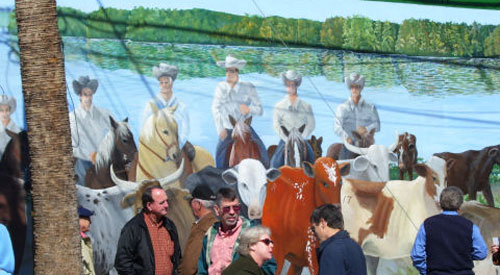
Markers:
407,154
470,170
289,203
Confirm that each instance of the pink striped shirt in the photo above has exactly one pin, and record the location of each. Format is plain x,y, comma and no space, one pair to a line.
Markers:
221,253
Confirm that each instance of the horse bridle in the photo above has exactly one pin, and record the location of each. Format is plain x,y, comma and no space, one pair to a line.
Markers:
168,146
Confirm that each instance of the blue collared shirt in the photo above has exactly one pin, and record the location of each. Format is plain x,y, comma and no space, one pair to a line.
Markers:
418,254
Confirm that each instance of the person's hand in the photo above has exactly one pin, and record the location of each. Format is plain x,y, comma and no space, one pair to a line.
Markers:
223,134
494,249
244,109
350,141
92,157
361,130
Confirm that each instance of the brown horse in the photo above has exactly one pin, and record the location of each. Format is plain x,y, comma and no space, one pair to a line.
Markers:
117,148
15,160
242,146
316,146
363,140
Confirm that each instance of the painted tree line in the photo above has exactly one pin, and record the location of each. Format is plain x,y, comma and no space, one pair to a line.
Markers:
412,37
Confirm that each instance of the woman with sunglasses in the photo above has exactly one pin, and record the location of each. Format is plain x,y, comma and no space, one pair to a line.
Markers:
255,248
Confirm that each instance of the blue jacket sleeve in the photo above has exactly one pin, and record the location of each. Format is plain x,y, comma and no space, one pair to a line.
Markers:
202,263
418,254
479,249
7,262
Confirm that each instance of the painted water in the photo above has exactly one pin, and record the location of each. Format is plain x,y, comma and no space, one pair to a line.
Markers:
450,105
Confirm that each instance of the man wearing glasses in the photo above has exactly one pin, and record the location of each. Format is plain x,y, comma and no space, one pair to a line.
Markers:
291,112
338,253
221,241
238,99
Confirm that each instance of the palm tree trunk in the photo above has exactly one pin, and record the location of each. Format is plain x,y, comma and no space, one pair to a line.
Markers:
55,226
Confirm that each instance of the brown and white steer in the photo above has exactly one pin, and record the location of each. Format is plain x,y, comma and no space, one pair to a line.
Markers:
383,217
407,154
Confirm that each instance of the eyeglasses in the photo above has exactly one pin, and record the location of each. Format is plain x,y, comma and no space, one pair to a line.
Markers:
267,241
227,209
231,70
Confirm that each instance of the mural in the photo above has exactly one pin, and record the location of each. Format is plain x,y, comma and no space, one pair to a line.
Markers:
162,91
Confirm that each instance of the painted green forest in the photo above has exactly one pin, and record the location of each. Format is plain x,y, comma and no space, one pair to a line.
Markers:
361,34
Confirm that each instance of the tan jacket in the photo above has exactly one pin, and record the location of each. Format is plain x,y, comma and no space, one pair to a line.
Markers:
192,251
88,261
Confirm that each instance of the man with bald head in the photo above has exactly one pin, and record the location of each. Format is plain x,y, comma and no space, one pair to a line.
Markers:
149,243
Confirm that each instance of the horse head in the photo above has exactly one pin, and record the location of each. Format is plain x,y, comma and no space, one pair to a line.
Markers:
295,146
243,146
117,147
159,134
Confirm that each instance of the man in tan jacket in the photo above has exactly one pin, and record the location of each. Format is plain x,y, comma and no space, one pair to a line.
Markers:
202,201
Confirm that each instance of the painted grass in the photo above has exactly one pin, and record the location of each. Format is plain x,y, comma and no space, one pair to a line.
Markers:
474,4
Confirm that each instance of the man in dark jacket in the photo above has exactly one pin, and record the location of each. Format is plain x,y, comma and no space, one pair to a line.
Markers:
338,253
148,242
448,243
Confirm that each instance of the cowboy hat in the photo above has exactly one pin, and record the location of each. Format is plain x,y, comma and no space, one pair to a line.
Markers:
11,101
165,70
232,62
355,79
85,82
291,75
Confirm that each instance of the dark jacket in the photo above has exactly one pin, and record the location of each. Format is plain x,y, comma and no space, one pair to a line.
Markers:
135,249
339,254
243,265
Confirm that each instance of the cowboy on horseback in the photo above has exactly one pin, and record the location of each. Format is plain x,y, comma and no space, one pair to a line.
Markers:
7,107
166,75
89,125
238,99
291,112
356,114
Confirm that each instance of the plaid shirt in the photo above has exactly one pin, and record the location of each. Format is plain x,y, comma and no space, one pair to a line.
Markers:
163,247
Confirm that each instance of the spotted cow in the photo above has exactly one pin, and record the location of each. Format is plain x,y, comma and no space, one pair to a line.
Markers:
383,217
290,200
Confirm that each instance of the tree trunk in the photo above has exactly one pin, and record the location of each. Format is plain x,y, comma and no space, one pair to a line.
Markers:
55,226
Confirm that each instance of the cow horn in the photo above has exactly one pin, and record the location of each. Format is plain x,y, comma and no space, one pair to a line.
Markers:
172,177
124,184
395,144
355,149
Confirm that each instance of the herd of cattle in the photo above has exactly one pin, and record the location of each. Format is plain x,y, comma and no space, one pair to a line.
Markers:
382,215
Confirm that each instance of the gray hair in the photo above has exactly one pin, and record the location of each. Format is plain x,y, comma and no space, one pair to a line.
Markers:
451,198
206,203
251,236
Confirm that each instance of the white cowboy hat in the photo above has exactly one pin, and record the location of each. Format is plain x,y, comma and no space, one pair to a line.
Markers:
232,62
11,101
291,75
85,82
165,70
355,79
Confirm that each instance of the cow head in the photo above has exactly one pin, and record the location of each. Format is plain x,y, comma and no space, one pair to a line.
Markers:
494,153
373,162
434,172
326,173
251,178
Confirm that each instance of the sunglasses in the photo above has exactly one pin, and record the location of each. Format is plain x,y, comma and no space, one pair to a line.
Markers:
267,241
227,209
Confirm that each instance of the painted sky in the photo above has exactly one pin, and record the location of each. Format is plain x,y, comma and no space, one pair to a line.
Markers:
310,9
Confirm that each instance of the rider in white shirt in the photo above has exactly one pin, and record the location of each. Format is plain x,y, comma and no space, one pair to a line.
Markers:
166,75
238,99
89,125
290,112
7,107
